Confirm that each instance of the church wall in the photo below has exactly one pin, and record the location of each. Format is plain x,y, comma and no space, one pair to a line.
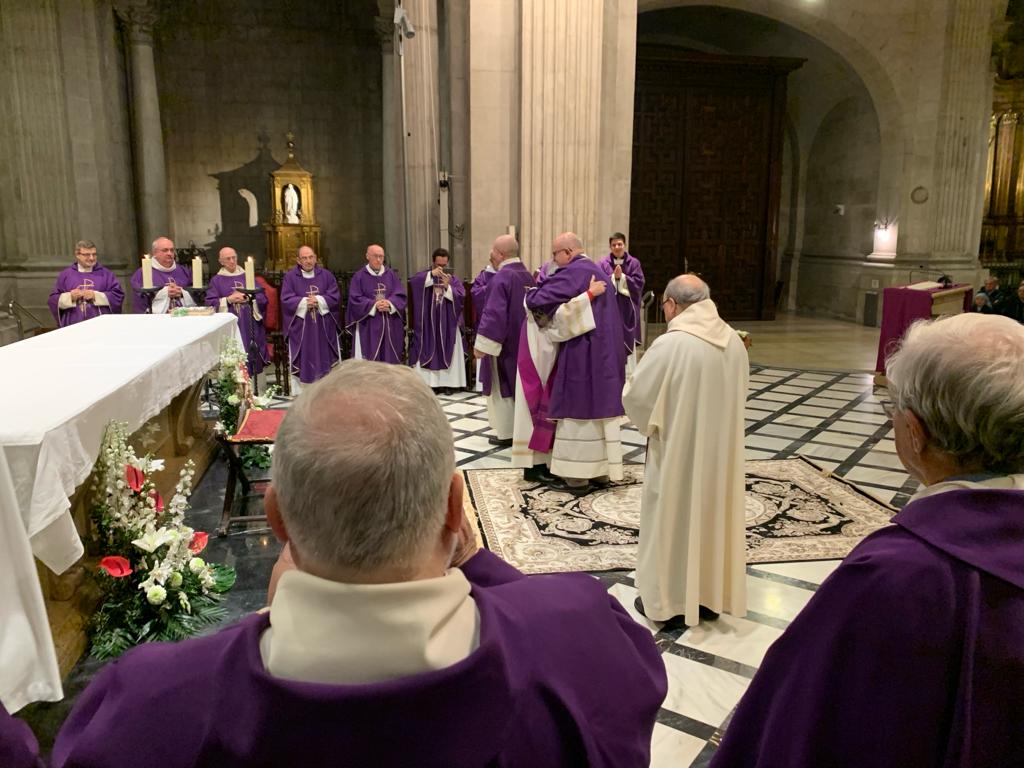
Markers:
227,73
65,160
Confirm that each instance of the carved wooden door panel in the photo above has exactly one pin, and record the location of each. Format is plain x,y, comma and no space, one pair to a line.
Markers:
706,174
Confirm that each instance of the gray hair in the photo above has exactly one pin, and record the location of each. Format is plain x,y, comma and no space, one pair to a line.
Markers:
687,289
963,376
84,245
362,466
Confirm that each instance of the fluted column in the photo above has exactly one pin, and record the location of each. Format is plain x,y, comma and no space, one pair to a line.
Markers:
962,131
561,99
423,128
37,201
138,19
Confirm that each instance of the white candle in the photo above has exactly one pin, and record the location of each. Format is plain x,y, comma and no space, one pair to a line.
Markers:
250,274
197,272
147,271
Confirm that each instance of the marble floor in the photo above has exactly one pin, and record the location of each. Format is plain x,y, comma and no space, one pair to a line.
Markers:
834,419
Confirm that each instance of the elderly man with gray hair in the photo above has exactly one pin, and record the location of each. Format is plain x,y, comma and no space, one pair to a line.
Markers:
912,652
394,641
687,395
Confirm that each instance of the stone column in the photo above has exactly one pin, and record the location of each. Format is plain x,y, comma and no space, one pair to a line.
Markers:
138,18
391,156
560,105
456,38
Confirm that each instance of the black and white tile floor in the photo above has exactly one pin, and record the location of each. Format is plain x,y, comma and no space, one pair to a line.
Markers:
836,421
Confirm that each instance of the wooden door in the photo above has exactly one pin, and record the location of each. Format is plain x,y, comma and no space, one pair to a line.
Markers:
707,143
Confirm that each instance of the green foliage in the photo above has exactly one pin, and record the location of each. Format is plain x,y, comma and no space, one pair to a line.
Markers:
223,577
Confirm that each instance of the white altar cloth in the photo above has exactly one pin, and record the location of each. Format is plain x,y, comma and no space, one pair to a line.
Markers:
58,391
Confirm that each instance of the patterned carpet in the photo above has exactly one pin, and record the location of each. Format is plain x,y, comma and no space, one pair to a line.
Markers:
794,512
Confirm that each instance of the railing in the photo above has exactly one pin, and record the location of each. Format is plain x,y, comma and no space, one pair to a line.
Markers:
16,311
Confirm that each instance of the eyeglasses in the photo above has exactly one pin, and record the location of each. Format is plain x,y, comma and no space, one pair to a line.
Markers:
554,254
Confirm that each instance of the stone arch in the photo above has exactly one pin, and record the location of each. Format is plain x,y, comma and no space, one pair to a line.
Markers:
880,88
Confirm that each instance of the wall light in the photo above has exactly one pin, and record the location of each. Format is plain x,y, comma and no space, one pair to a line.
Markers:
886,234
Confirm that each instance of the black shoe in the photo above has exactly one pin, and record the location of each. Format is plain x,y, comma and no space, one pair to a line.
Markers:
707,614
601,482
538,473
559,484
498,441
676,622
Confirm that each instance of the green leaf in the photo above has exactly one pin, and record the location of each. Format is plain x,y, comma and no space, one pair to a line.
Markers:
223,577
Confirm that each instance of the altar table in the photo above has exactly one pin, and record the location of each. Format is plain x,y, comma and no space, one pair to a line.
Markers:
58,391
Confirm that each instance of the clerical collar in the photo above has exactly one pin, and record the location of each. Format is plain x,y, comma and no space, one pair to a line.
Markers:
512,260
323,631
159,266
617,261
376,274
969,482
310,274
238,271
83,269
490,268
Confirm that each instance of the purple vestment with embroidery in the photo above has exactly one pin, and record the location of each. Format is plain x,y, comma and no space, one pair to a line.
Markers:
254,334
501,321
141,302
591,368
381,335
629,306
434,322
313,339
100,279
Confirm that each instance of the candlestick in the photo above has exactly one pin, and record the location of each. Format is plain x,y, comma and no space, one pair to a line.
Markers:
147,271
197,272
250,274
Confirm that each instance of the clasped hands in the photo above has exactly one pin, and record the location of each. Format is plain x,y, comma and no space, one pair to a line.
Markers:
237,297
383,305
82,294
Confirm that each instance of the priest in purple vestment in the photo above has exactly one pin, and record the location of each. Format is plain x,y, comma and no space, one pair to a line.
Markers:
478,291
224,294
436,350
85,290
170,277
628,280
395,640
310,306
375,315
586,386
497,335
912,652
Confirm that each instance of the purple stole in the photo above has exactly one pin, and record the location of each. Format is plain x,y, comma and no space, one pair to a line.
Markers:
100,279
537,396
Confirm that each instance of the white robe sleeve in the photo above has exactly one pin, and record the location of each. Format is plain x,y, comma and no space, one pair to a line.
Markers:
644,396
572,319
301,309
487,346
622,285
223,306
65,302
321,305
99,298
161,301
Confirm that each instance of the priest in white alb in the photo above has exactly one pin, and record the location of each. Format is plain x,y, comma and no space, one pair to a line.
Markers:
687,396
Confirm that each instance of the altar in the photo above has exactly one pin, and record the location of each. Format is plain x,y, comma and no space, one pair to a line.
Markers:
58,392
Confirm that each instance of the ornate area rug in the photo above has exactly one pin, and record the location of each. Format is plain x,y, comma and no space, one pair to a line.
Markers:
794,512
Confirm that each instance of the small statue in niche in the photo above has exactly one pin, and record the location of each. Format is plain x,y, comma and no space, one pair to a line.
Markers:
291,204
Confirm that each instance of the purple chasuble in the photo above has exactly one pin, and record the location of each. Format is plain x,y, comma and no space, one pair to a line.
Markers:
910,654
629,306
313,339
141,303
501,321
100,279
591,368
505,704
381,335
479,293
254,334
434,322
18,745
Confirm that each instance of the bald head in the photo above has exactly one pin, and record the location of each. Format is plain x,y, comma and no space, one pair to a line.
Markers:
306,258
504,247
163,251
565,247
683,291
375,257
228,258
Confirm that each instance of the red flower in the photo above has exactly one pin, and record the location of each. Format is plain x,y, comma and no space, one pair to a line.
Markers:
159,501
198,543
116,566
134,477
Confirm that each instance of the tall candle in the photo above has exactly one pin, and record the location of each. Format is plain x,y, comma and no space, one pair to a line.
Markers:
250,274
197,272
147,271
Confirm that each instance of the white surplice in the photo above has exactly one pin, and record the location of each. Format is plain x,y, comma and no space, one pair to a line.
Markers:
687,396
573,318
